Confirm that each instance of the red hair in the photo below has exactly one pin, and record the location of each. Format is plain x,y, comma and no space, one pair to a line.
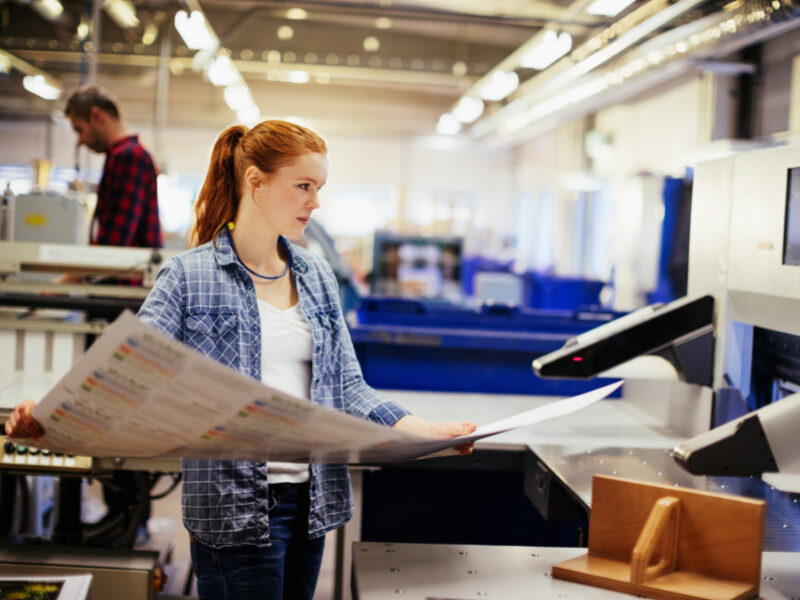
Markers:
269,146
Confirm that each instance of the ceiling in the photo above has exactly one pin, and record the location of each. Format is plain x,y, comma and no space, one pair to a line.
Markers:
433,52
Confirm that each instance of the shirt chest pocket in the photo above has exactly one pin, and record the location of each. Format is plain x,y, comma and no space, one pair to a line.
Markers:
215,334
328,345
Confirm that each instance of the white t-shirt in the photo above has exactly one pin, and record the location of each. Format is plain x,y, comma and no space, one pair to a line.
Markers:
286,346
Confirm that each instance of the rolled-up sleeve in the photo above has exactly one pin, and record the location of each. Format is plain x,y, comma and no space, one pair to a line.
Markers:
359,397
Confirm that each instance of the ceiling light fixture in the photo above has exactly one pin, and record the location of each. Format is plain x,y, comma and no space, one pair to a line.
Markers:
372,44
237,97
608,8
499,85
591,54
222,71
664,57
194,30
298,76
468,109
383,23
49,9
122,12
448,125
198,34
35,81
296,14
150,34
285,32
551,47
38,84
82,30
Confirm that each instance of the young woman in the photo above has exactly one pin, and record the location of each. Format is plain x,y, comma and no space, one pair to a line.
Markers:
249,298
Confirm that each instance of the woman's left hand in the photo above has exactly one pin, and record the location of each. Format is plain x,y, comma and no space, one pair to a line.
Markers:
438,429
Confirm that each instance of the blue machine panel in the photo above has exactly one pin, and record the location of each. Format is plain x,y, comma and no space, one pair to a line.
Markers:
414,345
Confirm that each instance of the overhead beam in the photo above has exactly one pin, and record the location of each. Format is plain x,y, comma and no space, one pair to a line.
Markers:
258,67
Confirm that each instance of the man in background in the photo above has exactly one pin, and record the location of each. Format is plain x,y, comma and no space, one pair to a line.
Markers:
127,198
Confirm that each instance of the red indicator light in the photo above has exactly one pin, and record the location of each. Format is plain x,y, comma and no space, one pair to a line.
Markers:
577,358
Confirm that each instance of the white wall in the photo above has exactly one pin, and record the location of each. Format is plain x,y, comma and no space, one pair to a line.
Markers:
659,132
409,166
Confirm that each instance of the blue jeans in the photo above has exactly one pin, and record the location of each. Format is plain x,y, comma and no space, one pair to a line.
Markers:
286,570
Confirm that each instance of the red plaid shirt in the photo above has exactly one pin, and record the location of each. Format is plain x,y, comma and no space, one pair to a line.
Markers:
127,198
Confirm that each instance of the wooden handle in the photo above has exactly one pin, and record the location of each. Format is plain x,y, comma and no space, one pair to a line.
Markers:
661,526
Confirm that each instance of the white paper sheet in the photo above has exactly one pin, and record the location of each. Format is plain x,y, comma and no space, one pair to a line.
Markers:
138,393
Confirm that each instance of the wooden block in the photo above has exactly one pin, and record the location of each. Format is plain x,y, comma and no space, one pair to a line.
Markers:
719,542
678,585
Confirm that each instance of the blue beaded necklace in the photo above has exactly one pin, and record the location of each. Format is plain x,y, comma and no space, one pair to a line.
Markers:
248,269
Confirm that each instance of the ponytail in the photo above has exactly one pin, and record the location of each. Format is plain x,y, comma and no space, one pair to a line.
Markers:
218,199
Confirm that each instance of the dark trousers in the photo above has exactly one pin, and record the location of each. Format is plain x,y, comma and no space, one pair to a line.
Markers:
286,570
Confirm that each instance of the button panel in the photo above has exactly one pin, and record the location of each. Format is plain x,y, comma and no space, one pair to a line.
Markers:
27,458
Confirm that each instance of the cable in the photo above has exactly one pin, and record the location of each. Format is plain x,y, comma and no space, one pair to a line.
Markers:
176,479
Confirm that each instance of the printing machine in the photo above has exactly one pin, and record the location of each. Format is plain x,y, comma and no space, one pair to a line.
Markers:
44,328
709,402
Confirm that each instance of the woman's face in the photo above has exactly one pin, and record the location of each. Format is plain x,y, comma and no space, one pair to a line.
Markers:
289,196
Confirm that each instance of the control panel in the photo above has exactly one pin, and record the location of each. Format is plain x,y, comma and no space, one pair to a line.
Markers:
27,458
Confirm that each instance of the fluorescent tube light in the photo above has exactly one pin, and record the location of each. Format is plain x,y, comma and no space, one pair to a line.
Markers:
551,47
82,30
296,14
468,109
194,30
37,84
448,125
150,34
297,76
223,72
608,8
499,85
123,13
237,97
49,9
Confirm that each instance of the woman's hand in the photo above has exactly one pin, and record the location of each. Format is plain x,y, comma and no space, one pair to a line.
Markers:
438,429
21,422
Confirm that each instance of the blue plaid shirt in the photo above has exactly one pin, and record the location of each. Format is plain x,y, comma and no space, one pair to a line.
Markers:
205,299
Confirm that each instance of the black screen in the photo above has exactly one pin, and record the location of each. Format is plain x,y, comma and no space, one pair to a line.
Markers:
666,324
791,233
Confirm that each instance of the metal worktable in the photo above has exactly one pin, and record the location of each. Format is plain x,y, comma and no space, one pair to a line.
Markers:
449,572
610,437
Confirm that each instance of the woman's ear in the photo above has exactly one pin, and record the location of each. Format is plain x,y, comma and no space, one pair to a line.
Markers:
253,176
